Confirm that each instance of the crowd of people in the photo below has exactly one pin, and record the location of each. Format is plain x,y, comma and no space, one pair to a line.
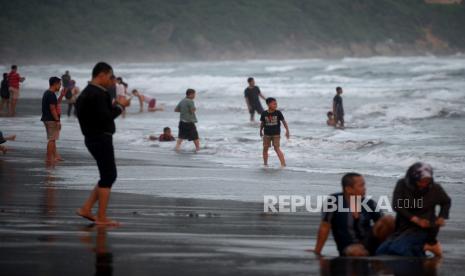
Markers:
356,233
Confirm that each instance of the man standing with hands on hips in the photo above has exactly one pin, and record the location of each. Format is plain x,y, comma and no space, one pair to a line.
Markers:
96,115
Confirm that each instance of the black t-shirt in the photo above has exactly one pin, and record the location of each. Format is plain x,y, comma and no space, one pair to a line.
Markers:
95,111
338,103
272,122
47,99
346,229
252,94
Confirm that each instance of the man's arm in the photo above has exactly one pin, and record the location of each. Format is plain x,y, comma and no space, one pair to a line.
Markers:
141,103
53,110
445,203
192,108
323,233
262,125
248,103
287,129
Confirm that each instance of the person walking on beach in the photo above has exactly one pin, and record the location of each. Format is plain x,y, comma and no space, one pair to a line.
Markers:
270,130
338,108
3,139
415,199
5,94
96,115
252,95
187,128
357,231
13,86
51,118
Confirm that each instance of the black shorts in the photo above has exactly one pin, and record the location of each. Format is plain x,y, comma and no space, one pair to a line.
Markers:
188,131
101,148
256,107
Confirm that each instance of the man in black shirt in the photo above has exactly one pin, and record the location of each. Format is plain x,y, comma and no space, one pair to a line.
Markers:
356,230
271,122
338,108
51,118
96,115
252,96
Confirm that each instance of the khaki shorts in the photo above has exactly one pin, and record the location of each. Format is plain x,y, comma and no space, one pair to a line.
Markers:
53,130
267,140
14,93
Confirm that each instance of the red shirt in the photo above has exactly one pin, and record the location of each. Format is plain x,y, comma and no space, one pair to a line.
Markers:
13,80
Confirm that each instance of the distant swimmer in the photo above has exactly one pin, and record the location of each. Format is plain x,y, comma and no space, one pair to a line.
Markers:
187,119
270,130
415,200
252,96
148,100
338,108
331,121
166,136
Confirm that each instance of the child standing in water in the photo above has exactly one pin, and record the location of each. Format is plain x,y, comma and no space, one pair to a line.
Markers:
270,130
338,108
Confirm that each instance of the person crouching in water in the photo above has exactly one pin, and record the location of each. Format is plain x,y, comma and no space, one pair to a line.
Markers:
415,199
166,136
146,99
331,121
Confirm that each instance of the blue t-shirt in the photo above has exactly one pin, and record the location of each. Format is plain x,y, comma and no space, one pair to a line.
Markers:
47,99
346,229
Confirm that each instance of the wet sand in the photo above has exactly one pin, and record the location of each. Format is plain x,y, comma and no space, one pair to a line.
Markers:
41,235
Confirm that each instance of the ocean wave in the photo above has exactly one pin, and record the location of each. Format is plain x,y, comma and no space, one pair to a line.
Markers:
336,67
272,69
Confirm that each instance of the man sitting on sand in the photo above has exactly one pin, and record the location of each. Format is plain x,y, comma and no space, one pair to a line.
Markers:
3,139
415,199
331,121
164,137
146,99
353,230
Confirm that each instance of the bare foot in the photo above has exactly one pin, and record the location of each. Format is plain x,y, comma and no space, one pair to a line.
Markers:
436,248
107,222
86,215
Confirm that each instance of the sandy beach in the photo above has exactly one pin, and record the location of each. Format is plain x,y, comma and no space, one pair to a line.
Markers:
41,235
202,214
